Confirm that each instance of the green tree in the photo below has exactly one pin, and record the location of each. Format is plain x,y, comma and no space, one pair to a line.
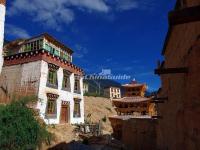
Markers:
19,127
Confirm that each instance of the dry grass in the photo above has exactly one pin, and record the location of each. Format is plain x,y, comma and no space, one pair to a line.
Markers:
99,108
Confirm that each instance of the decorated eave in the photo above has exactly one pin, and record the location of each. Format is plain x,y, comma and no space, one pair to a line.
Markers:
134,85
119,119
41,54
131,100
54,41
3,2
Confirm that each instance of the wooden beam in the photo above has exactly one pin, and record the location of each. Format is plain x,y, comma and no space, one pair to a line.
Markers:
186,15
160,98
157,101
171,70
157,117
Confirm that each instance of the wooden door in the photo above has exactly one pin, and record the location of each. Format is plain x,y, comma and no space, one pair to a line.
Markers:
64,115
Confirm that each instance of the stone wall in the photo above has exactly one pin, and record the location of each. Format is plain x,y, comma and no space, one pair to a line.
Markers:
180,126
139,134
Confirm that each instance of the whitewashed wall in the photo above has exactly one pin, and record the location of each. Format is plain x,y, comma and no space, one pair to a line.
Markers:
18,75
63,96
2,22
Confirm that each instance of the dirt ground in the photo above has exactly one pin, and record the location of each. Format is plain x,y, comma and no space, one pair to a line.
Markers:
96,109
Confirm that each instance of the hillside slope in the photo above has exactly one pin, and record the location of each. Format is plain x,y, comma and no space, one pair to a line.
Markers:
98,108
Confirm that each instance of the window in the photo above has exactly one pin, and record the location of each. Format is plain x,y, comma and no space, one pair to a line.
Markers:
56,52
52,76
77,111
66,80
65,56
77,85
35,45
69,57
31,46
51,109
41,43
61,54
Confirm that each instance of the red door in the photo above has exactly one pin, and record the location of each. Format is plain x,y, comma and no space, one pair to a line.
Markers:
64,115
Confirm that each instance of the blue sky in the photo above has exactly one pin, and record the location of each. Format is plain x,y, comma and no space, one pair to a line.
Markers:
125,36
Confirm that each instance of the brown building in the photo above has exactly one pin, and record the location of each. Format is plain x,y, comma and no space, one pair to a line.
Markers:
132,107
134,89
179,127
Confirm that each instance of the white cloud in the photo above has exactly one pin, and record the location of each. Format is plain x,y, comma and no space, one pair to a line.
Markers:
123,5
16,32
96,5
50,13
53,13
80,51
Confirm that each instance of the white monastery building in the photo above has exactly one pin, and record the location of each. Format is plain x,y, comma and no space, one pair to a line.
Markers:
112,92
2,22
42,66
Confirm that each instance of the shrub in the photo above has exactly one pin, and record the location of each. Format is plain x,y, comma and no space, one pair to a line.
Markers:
104,119
19,128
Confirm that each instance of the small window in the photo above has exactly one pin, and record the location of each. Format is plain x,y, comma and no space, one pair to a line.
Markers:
38,45
65,56
66,80
51,109
61,54
57,52
77,85
32,46
77,111
69,57
51,49
47,47
52,76
41,44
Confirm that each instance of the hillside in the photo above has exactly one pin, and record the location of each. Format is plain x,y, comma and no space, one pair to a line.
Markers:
99,108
